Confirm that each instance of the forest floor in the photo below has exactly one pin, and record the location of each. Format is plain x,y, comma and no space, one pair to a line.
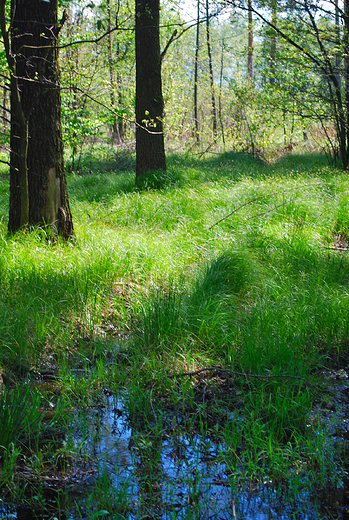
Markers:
185,356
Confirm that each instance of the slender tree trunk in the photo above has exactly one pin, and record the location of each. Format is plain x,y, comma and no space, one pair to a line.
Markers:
150,151
273,43
338,37
196,67
114,125
284,126
20,124
346,80
213,100
250,43
120,122
34,37
220,93
339,110
5,113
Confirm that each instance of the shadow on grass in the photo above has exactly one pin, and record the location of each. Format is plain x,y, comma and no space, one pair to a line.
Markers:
101,183
258,303
43,307
238,165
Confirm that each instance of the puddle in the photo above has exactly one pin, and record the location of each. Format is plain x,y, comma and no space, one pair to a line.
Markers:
187,480
165,477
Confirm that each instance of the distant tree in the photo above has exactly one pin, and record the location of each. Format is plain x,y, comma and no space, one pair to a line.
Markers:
196,76
38,190
319,31
273,40
150,151
250,42
210,68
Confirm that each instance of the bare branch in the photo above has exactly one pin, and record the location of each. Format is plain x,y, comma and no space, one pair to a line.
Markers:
174,34
5,108
287,38
234,372
264,197
113,111
6,162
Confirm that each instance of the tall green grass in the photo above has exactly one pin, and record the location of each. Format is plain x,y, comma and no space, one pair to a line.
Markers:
226,262
260,274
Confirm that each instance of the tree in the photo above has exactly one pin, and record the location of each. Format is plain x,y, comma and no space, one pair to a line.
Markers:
150,151
117,127
313,30
250,42
209,53
38,190
273,40
196,66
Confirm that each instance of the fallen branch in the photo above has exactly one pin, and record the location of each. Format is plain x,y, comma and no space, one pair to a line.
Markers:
264,197
336,248
234,372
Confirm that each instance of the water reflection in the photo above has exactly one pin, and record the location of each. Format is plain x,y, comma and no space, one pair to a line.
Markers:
169,477
183,477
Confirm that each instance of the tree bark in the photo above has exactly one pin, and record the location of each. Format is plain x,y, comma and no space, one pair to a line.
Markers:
150,151
34,35
17,115
345,157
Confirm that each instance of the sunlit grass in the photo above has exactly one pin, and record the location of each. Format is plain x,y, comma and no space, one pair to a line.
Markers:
229,263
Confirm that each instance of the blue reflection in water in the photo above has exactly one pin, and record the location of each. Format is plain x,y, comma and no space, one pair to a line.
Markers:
167,477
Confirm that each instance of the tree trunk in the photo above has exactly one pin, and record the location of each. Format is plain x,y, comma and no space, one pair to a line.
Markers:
21,142
5,112
150,151
273,42
220,93
196,66
338,35
250,42
114,125
345,157
120,122
34,35
213,100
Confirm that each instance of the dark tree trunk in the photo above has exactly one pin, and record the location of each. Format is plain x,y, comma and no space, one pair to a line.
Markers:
150,151
34,36
5,111
345,156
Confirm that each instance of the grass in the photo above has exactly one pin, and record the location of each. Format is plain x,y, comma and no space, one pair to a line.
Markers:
227,263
